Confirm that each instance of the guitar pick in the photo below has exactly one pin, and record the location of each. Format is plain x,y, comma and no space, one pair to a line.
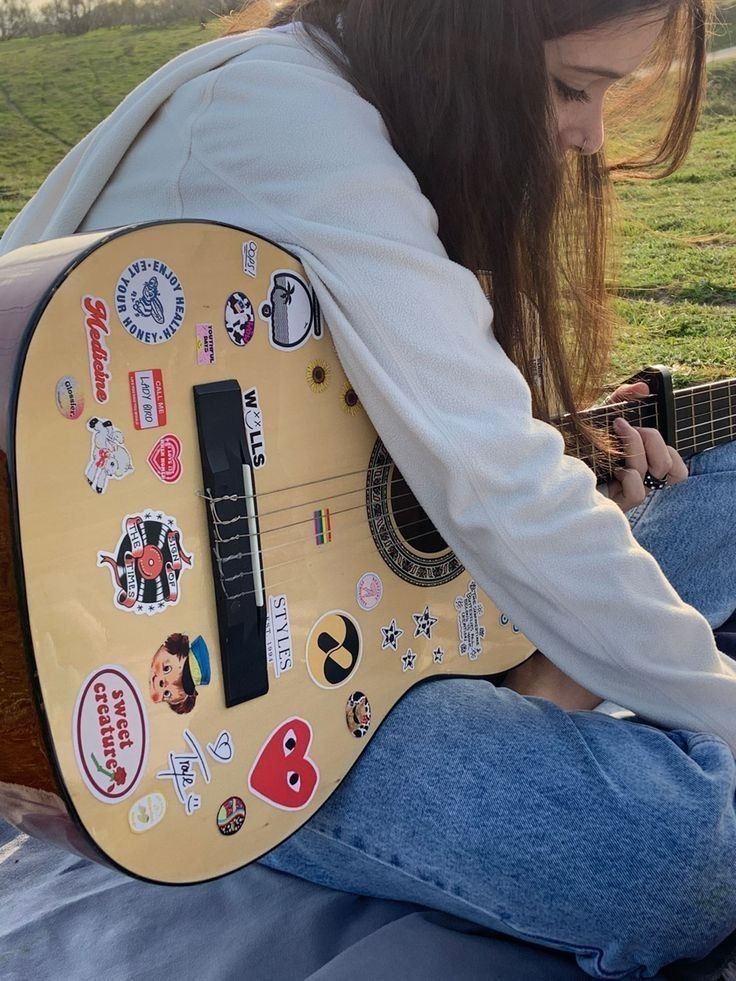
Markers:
165,459
283,774
222,749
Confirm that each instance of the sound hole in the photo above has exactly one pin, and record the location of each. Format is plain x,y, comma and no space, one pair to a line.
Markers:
411,519
406,539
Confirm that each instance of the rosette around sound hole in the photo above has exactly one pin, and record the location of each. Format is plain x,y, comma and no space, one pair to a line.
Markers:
406,539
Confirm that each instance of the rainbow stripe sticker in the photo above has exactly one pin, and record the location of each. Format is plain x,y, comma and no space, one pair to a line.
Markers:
322,526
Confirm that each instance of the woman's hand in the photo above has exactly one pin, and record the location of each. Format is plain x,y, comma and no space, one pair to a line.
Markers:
644,450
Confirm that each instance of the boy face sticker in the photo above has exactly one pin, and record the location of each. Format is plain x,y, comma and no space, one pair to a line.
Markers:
178,670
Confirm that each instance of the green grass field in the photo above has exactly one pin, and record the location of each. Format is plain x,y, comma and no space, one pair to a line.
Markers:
677,284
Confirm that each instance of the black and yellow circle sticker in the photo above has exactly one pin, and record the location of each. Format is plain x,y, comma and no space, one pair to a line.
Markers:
334,648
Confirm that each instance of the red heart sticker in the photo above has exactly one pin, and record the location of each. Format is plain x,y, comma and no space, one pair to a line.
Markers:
165,459
283,774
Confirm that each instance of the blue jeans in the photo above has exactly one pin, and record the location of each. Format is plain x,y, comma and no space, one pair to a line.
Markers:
607,838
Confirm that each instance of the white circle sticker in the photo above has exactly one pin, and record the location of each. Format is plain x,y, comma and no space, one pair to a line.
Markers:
150,301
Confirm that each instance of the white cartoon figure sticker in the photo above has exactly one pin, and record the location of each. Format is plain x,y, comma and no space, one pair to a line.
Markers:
109,457
291,311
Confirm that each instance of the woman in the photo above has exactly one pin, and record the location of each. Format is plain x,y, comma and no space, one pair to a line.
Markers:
398,148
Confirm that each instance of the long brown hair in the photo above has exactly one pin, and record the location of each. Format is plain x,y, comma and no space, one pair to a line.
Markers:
463,90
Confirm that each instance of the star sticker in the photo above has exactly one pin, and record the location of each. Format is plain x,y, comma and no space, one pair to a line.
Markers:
438,655
424,623
391,635
408,660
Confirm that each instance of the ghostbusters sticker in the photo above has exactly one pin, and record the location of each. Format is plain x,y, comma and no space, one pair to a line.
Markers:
231,816
240,319
109,457
291,311
97,329
150,301
283,774
334,648
165,459
471,633
69,398
147,812
178,670
110,734
147,564
358,714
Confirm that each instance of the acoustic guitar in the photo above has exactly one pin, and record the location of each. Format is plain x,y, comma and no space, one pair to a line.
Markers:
216,582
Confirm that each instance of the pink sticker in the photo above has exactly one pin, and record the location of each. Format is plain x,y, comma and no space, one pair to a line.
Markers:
69,398
110,734
165,459
205,344
147,398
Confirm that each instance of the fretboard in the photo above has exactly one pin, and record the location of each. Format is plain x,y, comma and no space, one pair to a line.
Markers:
705,416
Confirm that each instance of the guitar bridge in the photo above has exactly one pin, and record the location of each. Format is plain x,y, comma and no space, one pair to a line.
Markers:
232,521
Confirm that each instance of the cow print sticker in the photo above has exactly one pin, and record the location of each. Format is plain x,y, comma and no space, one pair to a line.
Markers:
240,321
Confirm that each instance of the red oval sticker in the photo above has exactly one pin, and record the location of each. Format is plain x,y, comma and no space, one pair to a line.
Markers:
110,734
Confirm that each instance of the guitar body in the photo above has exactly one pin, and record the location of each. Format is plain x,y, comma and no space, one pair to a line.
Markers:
224,583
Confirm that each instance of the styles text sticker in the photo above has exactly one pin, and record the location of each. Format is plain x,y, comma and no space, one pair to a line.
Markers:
278,636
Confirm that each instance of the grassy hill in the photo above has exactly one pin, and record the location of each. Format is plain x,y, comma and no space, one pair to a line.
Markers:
677,283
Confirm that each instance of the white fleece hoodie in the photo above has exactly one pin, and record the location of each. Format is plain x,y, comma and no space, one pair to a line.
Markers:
257,130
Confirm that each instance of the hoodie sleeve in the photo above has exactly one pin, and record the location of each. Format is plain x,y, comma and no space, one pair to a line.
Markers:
282,145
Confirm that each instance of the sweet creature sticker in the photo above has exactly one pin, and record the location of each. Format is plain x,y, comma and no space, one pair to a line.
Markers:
334,648
69,398
178,670
97,329
110,734
470,631
109,456
165,459
147,398
283,774
291,311
150,301
240,319
147,564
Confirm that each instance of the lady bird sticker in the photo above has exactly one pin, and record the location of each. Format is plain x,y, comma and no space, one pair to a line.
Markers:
148,562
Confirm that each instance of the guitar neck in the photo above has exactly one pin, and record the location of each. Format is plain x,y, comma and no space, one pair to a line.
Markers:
704,416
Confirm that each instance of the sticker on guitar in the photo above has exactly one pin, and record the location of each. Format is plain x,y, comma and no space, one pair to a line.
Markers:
150,301
283,775
292,311
109,457
178,671
147,564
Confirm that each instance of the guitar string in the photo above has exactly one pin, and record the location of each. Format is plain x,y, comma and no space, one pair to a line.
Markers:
609,412
300,542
